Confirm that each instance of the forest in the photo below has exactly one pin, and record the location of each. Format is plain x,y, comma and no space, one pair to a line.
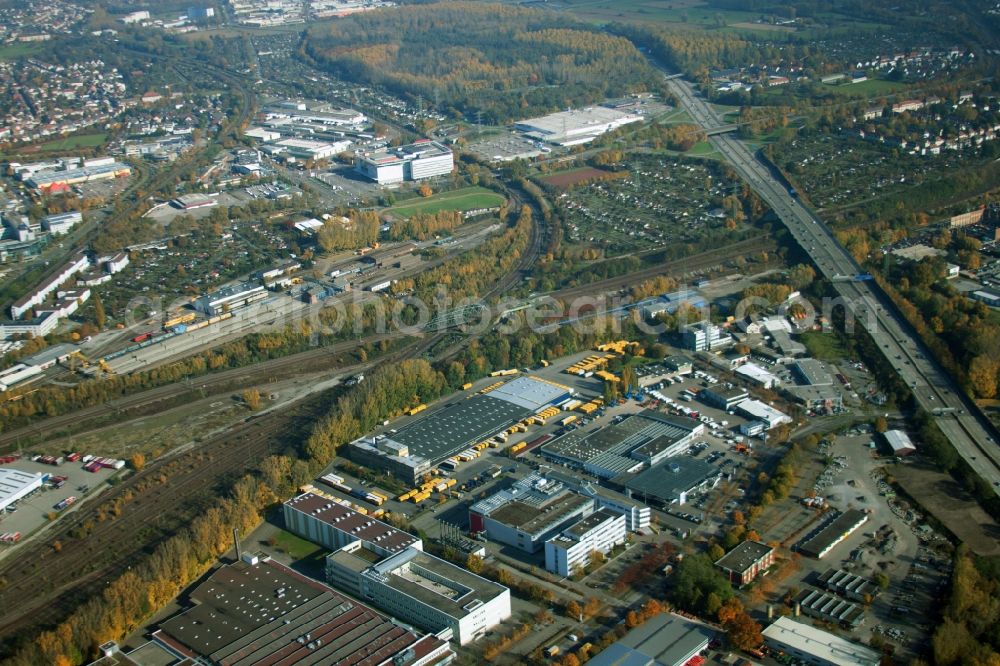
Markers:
506,62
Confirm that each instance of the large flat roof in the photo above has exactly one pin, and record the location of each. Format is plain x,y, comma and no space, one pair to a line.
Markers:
537,519
813,372
439,584
670,478
663,640
826,646
364,528
260,614
13,481
580,528
645,434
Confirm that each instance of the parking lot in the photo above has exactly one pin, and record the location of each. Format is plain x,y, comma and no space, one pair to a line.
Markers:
33,511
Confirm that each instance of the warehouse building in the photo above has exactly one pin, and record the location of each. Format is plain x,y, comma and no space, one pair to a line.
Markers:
810,372
421,589
815,646
841,526
572,548
722,396
193,201
662,640
417,161
230,298
670,482
848,585
671,303
50,356
757,376
829,608
576,126
637,441
413,449
746,561
334,525
759,411
254,613
528,513
312,150
899,442
60,181
15,484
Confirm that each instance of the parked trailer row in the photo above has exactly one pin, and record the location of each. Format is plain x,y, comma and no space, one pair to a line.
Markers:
65,503
10,537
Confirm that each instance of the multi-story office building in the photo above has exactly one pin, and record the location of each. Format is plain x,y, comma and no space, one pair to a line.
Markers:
571,550
417,161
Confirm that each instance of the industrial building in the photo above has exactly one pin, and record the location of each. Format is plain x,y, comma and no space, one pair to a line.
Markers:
421,589
671,481
811,372
15,484
528,513
311,150
637,515
761,411
757,376
662,640
746,561
670,303
49,356
571,549
193,201
841,526
705,336
723,396
49,285
829,608
53,181
413,449
815,646
33,328
899,442
258,612
230,298
848,585
576,126
636,441
423,159
321,114
334,525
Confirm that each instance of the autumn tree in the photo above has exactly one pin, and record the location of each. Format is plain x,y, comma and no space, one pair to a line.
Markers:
138,461
474,563
251,398
573,610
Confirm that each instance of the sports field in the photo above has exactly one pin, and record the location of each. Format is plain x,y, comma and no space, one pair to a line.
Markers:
73,142
467,198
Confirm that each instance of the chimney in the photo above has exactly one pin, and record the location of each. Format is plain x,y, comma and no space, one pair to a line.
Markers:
798,609
236,541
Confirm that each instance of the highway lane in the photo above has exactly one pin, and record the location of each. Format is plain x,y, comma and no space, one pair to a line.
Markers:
958,417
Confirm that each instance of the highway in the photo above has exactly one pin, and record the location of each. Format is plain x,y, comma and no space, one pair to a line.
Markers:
959,418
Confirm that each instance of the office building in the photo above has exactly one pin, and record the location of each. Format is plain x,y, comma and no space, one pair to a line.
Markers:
230,298
528,513
61,223
417,161
49,285
333,526
815,646
662,640
637,515
421,589
746,561
705,336
257,612
597,533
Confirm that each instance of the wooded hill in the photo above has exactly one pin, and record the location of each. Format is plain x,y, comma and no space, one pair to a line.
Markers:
508,62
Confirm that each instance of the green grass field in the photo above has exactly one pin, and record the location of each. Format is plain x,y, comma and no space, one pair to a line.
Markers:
11,51
824,346
467,198
73,142
869,88
297,548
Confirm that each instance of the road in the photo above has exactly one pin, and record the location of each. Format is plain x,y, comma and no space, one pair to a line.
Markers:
959,418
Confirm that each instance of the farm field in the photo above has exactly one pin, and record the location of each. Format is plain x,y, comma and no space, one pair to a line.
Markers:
467,198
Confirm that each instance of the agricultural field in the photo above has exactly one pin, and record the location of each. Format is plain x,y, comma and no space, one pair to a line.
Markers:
467,198
662,201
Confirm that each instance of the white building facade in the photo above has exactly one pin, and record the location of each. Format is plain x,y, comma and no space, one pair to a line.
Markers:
598,532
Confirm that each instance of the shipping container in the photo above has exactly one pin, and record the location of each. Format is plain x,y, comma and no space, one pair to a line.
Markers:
142,337
73,457
416,410
466,386
569,419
